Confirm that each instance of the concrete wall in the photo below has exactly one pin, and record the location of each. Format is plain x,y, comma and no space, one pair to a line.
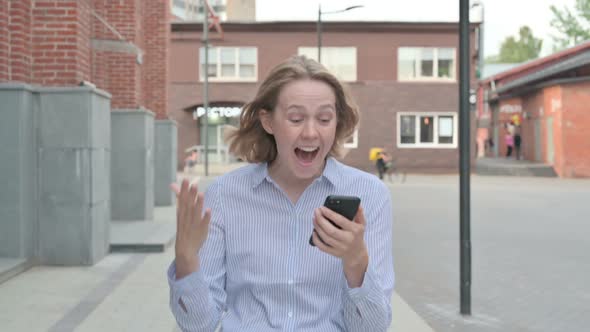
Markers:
132,164
166,141
74,148
18,176
56,158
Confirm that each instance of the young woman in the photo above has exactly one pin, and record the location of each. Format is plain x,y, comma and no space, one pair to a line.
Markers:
243,257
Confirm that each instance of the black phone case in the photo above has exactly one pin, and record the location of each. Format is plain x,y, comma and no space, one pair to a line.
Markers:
346,206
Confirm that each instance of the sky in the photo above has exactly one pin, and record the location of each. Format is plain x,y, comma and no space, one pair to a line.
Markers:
502,18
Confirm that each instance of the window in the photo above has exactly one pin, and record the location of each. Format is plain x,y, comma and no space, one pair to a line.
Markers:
341,61
427,130
230,63
353,141
426,64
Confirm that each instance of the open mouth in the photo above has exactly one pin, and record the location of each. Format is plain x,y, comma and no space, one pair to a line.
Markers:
306,154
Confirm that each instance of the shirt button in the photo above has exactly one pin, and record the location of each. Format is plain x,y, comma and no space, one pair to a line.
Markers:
290,281
290,314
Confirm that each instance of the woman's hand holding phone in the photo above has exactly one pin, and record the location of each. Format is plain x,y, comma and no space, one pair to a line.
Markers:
346,243
192,227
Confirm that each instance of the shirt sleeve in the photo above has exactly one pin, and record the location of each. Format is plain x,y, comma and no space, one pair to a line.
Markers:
368,307
198,300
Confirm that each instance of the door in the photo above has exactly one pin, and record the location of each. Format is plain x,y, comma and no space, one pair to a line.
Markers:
550,147
537,133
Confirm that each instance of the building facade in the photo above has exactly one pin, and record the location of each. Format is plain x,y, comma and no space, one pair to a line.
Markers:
404,77
86,138
548,98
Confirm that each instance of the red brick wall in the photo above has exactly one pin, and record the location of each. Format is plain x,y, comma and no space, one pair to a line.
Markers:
156,32
576,130
15,51
4,41
61,42
115,69
53,43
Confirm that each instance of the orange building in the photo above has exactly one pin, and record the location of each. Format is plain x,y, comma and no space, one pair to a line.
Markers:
550,97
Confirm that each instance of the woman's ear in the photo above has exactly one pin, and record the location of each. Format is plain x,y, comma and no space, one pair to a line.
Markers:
265,118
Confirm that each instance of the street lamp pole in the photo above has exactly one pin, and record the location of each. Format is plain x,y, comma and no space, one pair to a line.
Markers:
319,25
464,159
206,83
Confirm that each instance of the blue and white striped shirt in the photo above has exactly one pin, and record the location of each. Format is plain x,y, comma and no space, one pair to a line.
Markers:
258,272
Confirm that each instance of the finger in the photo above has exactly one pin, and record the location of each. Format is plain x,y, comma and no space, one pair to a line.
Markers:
360,217
182,204
175,188
337,219
192,205
199,205
320,245
326,227
327,239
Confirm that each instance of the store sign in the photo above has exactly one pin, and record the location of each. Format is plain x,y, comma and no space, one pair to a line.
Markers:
224,112
510,109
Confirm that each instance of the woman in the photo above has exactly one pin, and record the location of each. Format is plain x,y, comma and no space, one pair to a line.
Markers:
246,261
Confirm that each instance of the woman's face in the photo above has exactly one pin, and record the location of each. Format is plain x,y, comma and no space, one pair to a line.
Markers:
304,127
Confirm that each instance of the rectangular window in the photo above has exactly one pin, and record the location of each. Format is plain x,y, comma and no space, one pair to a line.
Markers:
426,64
426,130
341,61
230,64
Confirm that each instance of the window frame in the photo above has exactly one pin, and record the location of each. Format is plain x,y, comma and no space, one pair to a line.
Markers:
324,48
355,141
219,77
435,59
435,144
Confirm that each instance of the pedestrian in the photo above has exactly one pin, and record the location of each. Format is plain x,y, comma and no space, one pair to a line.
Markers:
380,164
242,253
509,140
517,141
191,161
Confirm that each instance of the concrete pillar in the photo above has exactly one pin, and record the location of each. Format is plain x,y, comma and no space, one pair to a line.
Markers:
73,167
166,142
18,171
132,165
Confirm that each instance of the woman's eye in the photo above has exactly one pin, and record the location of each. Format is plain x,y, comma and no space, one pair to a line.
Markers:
325,120
295,120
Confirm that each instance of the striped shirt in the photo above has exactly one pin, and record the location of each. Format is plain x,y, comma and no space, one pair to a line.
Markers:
258,271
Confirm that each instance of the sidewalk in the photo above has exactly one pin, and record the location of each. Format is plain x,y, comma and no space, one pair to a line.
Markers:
123,292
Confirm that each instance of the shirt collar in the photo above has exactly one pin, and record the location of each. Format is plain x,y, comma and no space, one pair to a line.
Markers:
331,172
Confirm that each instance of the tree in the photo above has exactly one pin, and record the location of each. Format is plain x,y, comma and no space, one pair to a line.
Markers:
572,28
513,51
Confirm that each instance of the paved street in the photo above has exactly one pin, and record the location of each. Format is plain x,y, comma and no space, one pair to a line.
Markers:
530,253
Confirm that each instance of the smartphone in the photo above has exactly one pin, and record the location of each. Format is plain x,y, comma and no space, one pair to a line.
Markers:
346,206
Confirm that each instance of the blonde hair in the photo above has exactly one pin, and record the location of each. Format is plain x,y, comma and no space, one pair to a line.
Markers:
252,143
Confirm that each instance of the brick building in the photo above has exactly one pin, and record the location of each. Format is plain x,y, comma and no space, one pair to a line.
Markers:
402,75
120,47
549,97
86,138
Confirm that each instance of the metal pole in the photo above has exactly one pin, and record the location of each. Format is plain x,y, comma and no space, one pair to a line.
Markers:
206,83
464,157
319,28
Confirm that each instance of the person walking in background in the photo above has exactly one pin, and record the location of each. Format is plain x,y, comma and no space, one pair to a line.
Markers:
517,141
509,139
381,164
